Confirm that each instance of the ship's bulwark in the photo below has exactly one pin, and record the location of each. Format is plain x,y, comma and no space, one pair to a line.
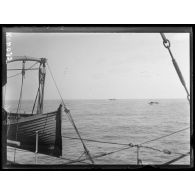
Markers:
49,132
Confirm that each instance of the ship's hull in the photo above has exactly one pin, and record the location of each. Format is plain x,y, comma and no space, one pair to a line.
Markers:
22,130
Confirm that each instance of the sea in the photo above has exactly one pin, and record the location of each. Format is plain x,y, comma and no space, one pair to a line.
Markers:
125,121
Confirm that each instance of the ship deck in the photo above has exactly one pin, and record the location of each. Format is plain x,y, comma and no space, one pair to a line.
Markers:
28,158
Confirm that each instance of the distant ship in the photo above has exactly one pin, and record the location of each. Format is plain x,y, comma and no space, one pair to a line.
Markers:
151,103
112,99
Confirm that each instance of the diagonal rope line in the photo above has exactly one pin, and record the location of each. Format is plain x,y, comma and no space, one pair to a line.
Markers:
18,109
14,75
101,155
70,117
33,65
176,159
35,99
164,136
127,144
140,145
21,72
92,140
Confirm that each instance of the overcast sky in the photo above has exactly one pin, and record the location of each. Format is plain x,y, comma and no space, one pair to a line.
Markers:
102,65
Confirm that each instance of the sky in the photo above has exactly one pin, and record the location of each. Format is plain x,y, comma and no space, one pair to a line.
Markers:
102,65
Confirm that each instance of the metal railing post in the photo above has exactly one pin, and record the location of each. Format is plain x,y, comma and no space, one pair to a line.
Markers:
137,155
139,161
37,145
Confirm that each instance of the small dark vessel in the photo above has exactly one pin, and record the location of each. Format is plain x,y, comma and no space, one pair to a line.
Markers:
151,103
112,99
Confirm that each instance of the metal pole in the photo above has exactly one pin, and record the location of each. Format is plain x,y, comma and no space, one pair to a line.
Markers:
137,155
139,161
37,144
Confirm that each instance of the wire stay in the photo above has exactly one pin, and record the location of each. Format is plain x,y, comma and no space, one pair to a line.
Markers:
167,45
67,111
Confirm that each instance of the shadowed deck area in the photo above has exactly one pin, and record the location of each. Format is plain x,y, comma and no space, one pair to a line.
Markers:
26,157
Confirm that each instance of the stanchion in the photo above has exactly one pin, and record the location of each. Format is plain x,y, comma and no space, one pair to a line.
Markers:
37,145
139,162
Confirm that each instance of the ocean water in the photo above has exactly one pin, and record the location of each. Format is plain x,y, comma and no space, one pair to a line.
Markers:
123,121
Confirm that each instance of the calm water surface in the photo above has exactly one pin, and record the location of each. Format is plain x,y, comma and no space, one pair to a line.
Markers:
123,121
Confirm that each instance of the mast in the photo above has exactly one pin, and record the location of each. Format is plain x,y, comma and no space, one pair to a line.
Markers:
42,72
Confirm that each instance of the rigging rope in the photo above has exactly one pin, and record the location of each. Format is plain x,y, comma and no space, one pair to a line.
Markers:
13,69
14,75
92,140
115,151
167,45
18,108
164,136
101,155
176,159
30,68
20,97
130,145
33,65
35,99
127,144
67,111
158,150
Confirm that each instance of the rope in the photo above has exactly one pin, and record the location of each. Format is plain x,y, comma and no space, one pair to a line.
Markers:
33,65
164,136
158,150
78,160
140,145
35,100
13,69
127,144
14,75
81,155
118,150
176,159
112,152
18,108
56,85
75,160
167,45
104,154
70,117
130,146
20,97
91,140
21,72
37,90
